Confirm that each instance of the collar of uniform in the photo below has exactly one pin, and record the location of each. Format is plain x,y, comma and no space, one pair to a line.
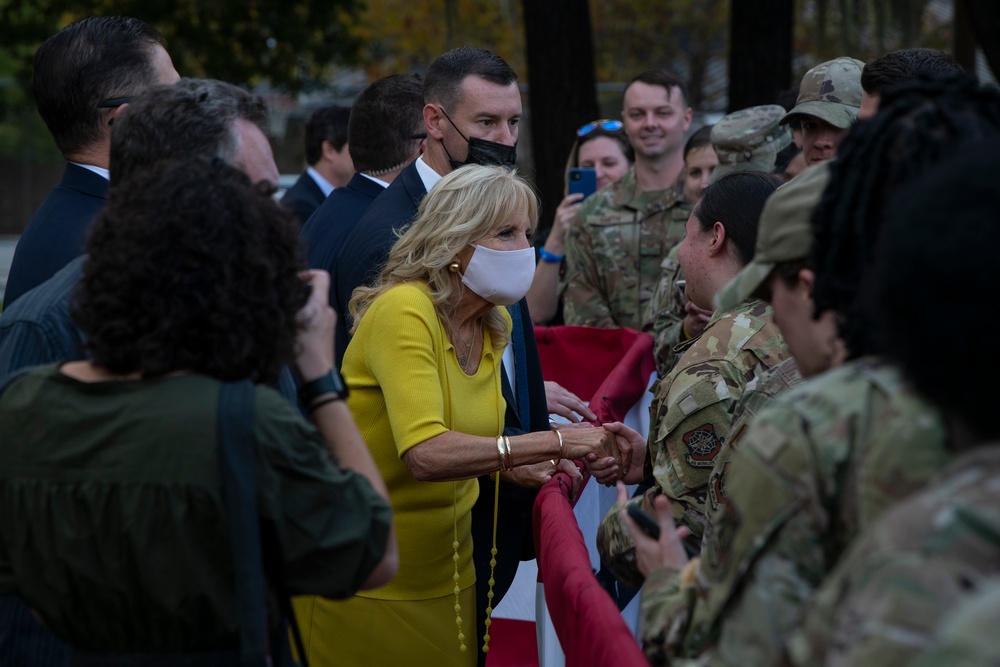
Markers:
747,305
627,195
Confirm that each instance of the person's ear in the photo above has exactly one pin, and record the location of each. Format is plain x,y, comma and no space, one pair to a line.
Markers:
718,243
328,151
807,279
116,112
433,118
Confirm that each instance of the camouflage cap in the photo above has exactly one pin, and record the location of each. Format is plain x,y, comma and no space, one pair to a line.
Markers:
831,91
749,139
783,235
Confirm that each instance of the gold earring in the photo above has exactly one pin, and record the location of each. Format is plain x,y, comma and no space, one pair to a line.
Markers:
454,267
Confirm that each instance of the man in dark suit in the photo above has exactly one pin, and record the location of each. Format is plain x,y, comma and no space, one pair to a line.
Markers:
471,112
330,165
84,76
385,134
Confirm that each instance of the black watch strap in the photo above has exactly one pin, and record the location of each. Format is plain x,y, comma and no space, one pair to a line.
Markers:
331,383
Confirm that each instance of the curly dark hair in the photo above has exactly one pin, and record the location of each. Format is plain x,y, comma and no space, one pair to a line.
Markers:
191,268
942,258
918,125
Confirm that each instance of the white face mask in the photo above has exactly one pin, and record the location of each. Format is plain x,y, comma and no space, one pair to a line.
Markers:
500,276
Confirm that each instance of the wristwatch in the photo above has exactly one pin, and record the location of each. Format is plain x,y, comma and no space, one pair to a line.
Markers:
330,383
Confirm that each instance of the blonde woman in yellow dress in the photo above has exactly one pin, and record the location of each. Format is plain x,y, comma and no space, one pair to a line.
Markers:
423,369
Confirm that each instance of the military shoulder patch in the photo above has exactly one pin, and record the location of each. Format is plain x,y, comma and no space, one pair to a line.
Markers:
703,445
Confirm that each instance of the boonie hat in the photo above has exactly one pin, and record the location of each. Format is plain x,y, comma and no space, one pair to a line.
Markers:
830,91
783,235
749,139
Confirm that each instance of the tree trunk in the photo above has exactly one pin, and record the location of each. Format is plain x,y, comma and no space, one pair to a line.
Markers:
561,88
760,51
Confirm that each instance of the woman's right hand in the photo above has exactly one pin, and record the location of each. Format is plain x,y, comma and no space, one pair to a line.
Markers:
565,214
314,343
580,441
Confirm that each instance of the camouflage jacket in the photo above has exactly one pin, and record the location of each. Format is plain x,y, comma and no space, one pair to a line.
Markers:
905,574
690,418
814,467
968,638
664,316
614,250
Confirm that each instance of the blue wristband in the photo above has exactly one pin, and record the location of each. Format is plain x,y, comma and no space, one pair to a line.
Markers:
549,257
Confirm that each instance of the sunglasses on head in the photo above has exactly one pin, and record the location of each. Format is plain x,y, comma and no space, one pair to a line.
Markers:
604,124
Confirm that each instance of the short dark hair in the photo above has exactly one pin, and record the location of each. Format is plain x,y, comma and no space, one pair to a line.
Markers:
660,77
194,117
905,65
700,139
88,62
443,82
918,124
736,201
939,255
326,124
386,122
191,268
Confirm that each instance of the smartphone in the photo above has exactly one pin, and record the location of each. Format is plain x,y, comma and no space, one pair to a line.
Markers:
582,180
646,523
681,287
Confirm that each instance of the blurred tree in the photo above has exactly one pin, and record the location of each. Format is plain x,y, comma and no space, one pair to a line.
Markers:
406,35
826,29
562,88
288,44
760,51
685,36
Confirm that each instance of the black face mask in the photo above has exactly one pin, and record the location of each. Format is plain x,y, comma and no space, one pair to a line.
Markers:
481,151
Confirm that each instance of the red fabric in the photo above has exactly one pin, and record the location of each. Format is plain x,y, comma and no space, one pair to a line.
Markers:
589,626
580,358
512,644
613,367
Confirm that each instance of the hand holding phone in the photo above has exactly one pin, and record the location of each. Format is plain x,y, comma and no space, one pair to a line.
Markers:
646,523
582,180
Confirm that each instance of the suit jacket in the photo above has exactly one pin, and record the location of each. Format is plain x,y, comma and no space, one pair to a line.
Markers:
361,259
57,231
366,249
303,198
327,230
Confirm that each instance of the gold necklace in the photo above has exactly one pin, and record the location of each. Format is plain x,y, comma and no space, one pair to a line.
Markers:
463,359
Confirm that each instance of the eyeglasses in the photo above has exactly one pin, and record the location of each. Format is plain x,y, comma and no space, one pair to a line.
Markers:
114,102
604,124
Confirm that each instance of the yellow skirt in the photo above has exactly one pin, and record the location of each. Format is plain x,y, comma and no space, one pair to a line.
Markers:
369,632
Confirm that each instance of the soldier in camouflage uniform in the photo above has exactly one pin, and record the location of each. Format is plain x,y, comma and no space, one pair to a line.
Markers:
827,105
745,140
968,637
906,573
823,461
692,409
886,598
613,252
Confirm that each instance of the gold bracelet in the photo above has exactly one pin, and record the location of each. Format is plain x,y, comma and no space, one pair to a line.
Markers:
559,435
510,456
500,450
